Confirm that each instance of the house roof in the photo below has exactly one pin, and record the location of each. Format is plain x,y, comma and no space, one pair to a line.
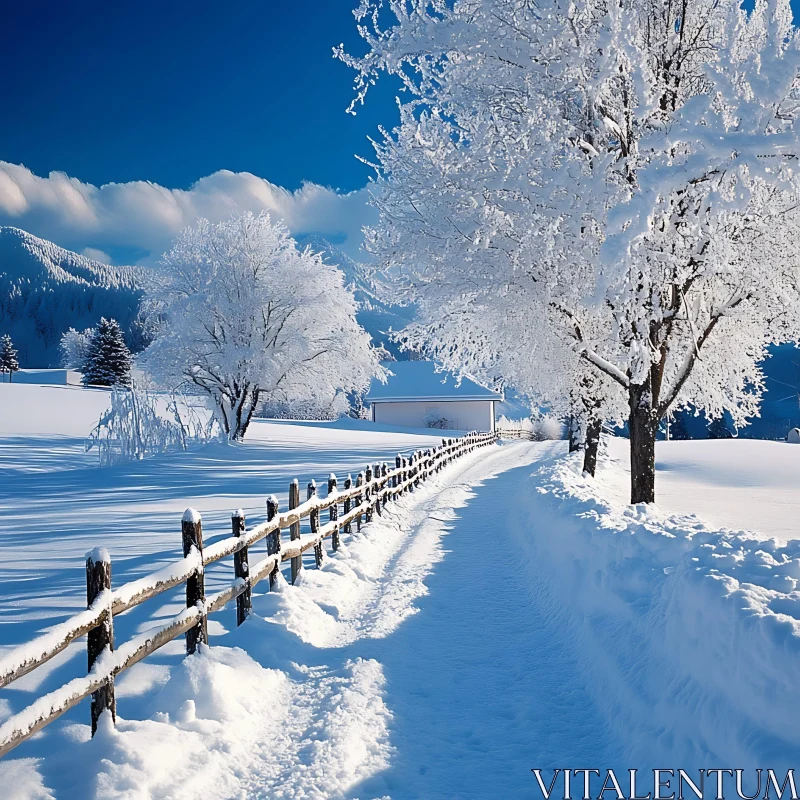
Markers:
419,381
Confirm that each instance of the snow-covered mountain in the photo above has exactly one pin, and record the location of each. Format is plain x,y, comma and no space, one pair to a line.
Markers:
376,316
45,289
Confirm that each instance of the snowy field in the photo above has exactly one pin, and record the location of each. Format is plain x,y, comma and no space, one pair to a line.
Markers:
509,615
742,484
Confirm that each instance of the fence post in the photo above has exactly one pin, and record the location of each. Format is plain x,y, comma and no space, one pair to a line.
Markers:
294,528
404,475
348,503
192,529
333,512
398,476
385,476
241,569
368,492
359,482
274,539
313,519
410,473
376,492
101,638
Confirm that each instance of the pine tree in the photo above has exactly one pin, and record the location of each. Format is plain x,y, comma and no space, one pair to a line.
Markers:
717,429
678,429
8,356
108,360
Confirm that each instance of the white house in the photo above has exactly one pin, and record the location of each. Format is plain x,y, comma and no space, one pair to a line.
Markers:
417,396
53,377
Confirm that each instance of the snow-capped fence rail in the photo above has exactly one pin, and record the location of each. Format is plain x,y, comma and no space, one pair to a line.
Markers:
374,487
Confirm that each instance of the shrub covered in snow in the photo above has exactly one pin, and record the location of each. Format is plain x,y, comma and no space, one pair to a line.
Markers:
316,409
139,423
435,419
74,347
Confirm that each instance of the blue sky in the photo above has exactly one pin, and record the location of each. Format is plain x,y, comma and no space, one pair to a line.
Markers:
172,91
126,121
99,95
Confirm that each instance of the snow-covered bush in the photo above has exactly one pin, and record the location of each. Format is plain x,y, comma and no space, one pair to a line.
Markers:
305,409
547,428
247,317
74,348
435,419
139,423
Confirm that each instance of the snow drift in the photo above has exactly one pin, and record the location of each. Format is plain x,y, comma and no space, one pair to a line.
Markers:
690,634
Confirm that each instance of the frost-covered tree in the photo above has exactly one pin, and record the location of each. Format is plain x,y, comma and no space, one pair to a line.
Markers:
635,161
107,361
74,347
8,356
247,317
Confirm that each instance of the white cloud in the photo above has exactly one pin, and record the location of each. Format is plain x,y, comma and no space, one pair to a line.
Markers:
96,255
146,217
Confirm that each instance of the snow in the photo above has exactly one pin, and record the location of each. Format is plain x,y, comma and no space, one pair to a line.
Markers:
191,515
510,614
691,633
98,554
742,484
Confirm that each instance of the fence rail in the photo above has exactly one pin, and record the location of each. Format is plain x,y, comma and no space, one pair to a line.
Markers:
516,433
374,487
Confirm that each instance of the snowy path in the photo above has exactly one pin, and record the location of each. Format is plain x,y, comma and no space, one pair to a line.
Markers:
482,683
479,686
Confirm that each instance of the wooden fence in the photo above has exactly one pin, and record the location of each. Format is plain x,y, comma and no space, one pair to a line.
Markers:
515,433
374,487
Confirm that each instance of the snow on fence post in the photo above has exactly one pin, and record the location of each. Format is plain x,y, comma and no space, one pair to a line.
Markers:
294,528
404,475
241,569
410,473
348,484
376,494
359,499
333,511
100,639
192,530
368,492
398,476
313,519
273,539
385,475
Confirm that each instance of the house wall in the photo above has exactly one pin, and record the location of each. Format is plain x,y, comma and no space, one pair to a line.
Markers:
464,415
54,377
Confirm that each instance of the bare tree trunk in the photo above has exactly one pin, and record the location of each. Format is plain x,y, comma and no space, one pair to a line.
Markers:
592,445
574,435
643,426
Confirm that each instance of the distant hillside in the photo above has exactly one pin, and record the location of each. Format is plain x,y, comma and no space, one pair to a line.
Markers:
374,315
45,289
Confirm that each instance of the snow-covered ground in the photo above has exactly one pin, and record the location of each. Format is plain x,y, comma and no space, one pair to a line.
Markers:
743,484
509,615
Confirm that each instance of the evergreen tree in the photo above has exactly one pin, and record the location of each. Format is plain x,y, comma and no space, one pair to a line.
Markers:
678,429
717,429
8,356
108,360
